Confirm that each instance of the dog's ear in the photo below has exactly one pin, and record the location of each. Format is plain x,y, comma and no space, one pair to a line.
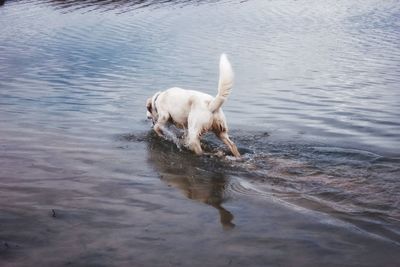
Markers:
148,105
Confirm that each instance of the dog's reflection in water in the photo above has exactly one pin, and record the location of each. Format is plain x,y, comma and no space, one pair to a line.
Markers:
196,177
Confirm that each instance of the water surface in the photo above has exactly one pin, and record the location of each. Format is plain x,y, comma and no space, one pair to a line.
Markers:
314,110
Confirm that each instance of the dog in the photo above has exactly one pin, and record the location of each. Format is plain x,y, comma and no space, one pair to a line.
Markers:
194,111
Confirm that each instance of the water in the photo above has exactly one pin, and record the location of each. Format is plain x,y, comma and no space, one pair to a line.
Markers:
314,111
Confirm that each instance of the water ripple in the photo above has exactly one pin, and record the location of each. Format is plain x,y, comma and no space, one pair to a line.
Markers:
314,111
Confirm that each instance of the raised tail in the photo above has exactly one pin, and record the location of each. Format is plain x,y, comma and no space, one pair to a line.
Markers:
224,85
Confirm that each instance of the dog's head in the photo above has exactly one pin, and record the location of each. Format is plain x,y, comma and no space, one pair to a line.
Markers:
152,113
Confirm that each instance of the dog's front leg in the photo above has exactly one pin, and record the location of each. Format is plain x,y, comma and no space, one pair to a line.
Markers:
196,147
193,142
158,129
159,125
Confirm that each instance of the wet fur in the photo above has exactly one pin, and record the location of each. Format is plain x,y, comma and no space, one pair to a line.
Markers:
194,111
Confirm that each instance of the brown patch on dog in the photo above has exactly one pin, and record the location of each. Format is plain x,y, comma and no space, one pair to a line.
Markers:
171,120
203,131
217,127
148,105
191,101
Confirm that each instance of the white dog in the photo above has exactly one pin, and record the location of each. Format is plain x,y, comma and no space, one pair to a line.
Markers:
195,112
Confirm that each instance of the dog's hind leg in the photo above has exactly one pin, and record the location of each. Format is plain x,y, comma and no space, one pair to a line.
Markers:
225,138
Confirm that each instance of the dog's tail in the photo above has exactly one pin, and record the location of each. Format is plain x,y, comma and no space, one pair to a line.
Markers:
224,85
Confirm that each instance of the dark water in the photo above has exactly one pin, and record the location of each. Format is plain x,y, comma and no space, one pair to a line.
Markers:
315,112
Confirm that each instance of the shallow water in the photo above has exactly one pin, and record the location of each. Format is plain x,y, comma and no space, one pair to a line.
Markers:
315,112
